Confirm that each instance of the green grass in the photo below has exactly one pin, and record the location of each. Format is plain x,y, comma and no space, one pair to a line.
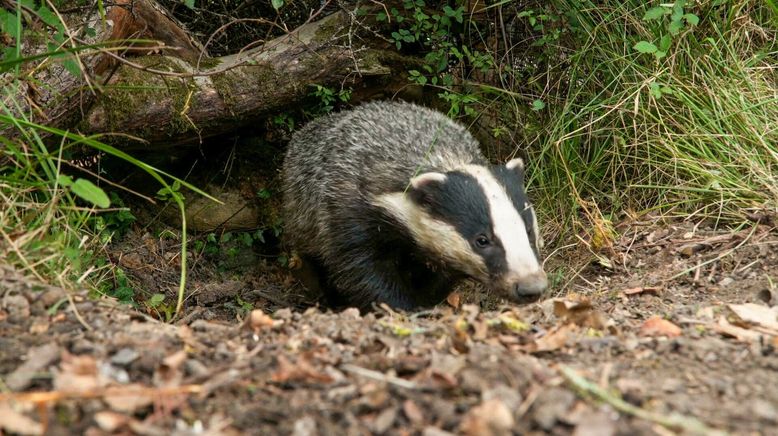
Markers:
706,147
50,225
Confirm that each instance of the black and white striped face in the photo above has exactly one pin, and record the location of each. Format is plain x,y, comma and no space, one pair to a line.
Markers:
479,221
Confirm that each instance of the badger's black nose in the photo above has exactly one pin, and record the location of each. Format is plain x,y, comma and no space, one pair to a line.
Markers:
531,285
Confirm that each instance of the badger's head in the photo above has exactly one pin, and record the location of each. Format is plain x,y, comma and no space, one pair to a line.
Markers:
476,220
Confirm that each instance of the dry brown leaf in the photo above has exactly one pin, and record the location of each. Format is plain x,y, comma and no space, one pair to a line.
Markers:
756,315
580,312
555,339
300,371
490,418
129,400
169,374
39,326
642,290
37,359
111,421
595,424
658,326
454,300
258,320
413,412
78,374
724,327
15,422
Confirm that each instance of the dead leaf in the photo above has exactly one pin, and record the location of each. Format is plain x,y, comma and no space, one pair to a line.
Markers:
745,335
14,422
132,398
413,412
490,418
595,424
642,290
580,313
78,374
258,320
168,374
39,326
555,339
111,421
454,300
37,359
756,316
460,335
300,371
658,326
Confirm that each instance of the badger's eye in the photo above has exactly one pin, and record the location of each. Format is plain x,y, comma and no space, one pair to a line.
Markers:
481,241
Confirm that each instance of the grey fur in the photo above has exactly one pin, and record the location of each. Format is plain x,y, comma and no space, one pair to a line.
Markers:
335,168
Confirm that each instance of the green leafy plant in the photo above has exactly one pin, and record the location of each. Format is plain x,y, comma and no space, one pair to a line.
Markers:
327,97
675,19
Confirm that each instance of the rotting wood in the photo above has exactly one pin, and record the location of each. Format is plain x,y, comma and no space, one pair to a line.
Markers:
185,105
145,19
171,93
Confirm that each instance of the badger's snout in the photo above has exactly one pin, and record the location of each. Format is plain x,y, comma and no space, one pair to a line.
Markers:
527,286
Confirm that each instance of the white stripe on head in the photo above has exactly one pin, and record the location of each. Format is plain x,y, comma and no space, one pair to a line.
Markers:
507,224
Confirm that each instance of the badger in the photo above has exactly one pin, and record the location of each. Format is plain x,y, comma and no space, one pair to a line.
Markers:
394,202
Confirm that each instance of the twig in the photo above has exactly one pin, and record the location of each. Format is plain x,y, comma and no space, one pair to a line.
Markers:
378,376
53,396
719,257
673,421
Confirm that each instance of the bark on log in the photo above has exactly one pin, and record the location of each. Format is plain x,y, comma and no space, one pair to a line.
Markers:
168,110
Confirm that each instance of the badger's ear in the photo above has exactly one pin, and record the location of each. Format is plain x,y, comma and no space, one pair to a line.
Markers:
425,185
517,167
516,164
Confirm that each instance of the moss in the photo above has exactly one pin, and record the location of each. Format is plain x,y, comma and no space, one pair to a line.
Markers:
208,63
178,120
328,28
138,89
223,83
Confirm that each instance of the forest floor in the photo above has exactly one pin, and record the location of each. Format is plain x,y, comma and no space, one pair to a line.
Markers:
674,331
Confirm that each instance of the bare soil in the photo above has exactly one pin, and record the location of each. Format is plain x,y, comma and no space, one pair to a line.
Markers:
671,331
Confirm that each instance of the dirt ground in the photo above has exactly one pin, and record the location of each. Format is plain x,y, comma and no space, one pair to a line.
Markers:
674,331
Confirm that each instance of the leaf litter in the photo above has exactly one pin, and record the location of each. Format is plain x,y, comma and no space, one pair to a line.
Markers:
633,349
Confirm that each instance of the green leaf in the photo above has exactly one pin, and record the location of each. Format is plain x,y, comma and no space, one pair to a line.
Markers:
538,105
8,23
8,56
664,43
191,4
645,47
72,66
675,27
91,193
655,90
277,4
381,16
659,54
156,300
64,180
49,18
692,19
656,13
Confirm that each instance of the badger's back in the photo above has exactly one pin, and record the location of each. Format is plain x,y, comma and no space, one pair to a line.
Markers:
338,163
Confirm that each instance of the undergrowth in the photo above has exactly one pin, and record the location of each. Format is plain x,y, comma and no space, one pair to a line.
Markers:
689,131
621,107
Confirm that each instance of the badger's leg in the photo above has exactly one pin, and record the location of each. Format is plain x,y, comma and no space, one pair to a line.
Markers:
372,278
311,274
